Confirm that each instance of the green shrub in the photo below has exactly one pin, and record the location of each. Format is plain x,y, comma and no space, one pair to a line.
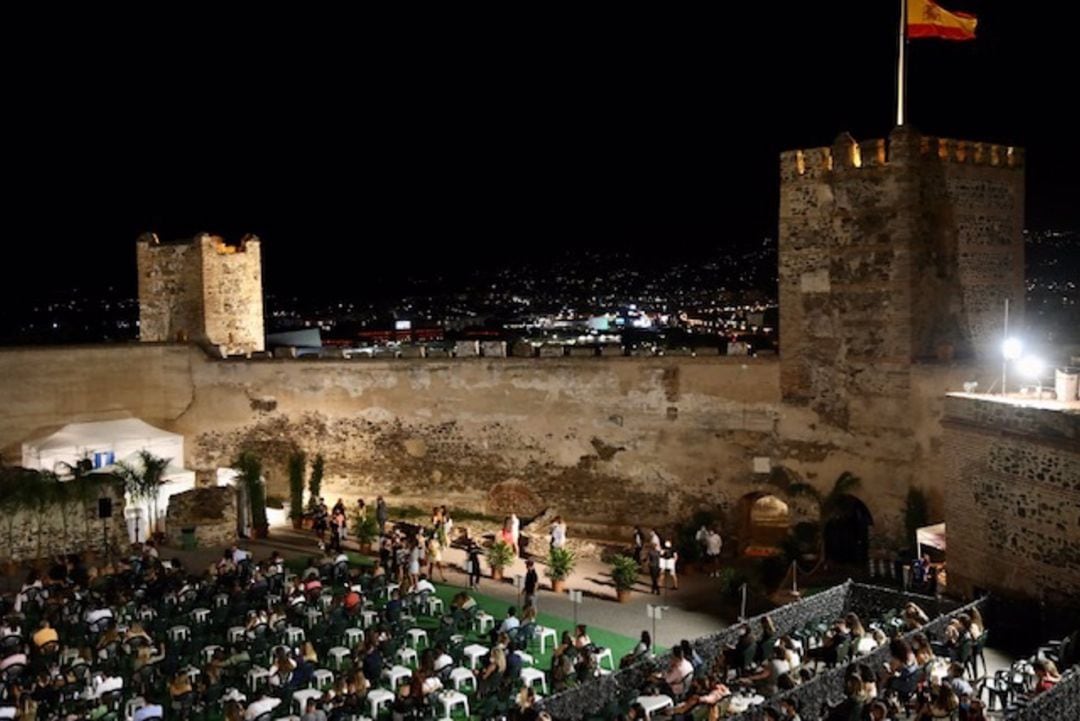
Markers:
561,562
624,572
365,528
297,461
318,467
500,555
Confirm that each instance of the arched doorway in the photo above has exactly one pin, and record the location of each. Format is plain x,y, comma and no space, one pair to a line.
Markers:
847,532
764,523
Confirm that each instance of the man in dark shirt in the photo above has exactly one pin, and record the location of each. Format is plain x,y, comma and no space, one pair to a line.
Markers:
654,568
382,514
531,581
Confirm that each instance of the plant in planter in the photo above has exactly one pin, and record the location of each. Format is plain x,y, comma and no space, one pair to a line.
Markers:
365,530
249,468
499,556
624,574
142,482
561,562
318,466
297,461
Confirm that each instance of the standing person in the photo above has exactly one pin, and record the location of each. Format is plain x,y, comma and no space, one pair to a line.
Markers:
531,582
654,539
448,526
558,533
435,547
670,558
472,565
515,532
507,536
321,521
361,508
639,543
654,569
713,545
382,514
414,561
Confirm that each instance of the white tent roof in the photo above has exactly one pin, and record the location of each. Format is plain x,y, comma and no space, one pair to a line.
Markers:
933,536
83,435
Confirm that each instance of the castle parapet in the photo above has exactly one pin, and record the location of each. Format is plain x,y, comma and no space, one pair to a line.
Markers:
902,145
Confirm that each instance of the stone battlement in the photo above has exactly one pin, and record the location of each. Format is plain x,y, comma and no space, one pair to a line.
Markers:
847,153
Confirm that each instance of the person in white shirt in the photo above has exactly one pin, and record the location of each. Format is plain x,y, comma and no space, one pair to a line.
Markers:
424,585
15,659
260,706
510,622
97,614
149,711
713,544
442,659
341,558
103,684
558,533
7,712
515,529
239,555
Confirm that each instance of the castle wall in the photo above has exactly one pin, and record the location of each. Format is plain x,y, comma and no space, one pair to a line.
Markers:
1012,483
891,253
610,441
170,300
232,295
71,527
202,291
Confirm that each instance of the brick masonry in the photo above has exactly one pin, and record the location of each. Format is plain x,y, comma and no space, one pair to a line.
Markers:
1012,492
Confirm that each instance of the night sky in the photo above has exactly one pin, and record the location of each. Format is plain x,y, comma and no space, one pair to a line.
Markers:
367,149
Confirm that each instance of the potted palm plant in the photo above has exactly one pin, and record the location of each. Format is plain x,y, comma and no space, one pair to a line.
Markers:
499,556
365,529
561,562
624,574
296,489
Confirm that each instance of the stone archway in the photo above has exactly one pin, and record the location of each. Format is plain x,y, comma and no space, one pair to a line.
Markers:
847,532
764,522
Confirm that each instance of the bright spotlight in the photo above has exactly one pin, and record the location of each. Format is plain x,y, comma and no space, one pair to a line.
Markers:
1031,366
1012,348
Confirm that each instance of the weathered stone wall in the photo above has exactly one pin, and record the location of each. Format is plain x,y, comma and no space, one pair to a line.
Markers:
210,511
232,294
610,441
201,290
1012,483
890,254
73,528
170,296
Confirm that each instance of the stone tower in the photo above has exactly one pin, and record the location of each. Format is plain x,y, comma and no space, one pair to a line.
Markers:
201,290
891,253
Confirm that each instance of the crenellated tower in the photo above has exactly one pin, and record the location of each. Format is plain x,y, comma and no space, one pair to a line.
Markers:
892,253
202,290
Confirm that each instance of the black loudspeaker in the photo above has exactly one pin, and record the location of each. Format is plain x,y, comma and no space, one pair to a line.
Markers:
104,508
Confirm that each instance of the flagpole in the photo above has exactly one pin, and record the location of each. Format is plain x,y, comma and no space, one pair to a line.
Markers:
901,65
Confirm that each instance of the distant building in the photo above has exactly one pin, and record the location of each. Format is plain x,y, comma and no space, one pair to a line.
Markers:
203,291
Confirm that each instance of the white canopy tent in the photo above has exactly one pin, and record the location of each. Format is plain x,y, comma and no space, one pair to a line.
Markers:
932,536
104,444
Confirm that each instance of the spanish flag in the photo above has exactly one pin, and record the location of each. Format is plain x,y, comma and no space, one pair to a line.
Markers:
926,19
